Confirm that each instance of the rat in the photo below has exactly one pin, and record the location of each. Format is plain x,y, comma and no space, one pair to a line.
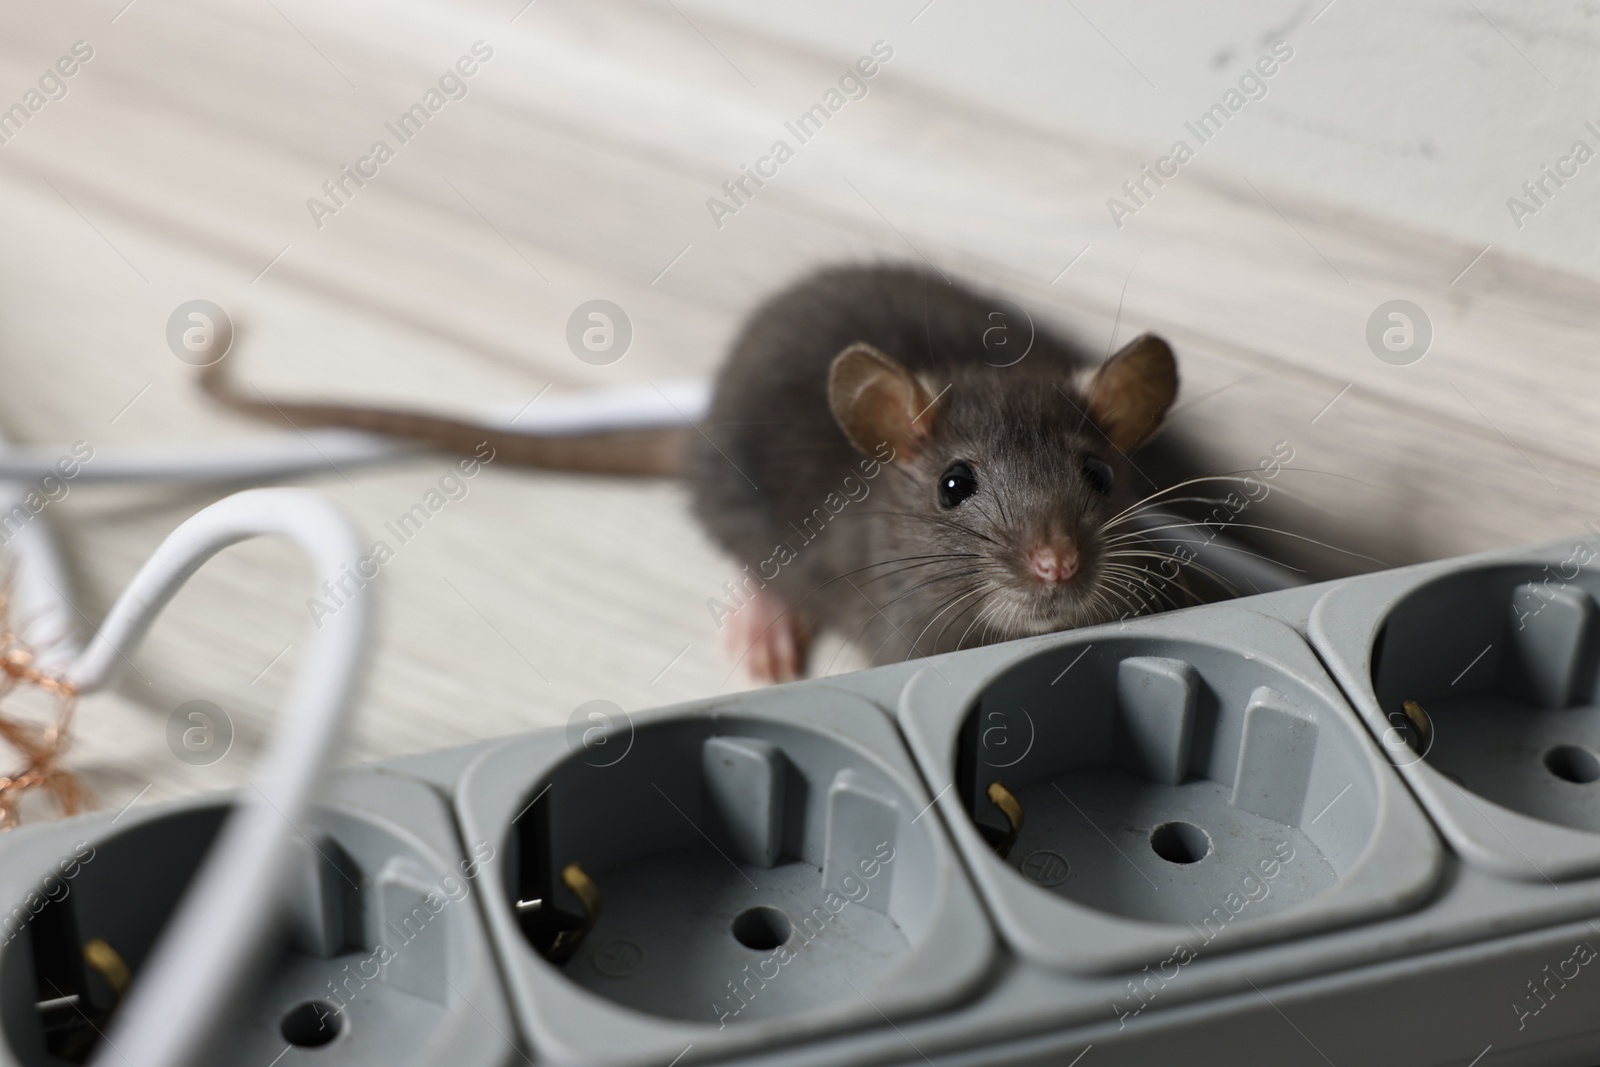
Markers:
878,474
886,477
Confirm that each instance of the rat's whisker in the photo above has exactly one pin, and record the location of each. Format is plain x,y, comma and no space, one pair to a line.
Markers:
1274,530
1120,594
1219,579
986,616
1095,604
1157,507
937,558
940,579
1244,476
938,638
1155,497
1231,548
1139,580
1113,583
1160,497
935,618
939,607
983,610
883,609
1259,477
990,616
1114,599
978,561
1135,572
1165,592
1127,554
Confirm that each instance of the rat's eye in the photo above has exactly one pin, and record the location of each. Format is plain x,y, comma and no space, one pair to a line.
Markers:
1098,471
956,484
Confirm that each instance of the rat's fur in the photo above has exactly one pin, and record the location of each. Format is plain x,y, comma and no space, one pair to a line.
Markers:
876,558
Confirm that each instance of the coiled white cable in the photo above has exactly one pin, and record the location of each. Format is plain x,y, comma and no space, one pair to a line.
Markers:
196,970
41,594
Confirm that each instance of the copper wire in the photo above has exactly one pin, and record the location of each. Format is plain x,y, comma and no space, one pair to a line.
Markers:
40,746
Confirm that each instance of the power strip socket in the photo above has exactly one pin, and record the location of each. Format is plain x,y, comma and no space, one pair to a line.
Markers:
1350,823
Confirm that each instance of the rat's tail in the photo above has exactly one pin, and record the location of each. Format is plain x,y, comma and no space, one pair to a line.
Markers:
651,451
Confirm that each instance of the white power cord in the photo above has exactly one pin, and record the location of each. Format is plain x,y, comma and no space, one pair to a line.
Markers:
43,615
282,455
197,968
42,611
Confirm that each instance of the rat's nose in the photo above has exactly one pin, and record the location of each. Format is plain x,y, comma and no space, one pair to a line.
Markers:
1053,563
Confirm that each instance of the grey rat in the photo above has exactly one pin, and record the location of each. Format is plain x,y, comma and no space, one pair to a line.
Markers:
877,474
884,477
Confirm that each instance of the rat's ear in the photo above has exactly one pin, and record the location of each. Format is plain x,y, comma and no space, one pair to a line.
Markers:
1130,394
875,400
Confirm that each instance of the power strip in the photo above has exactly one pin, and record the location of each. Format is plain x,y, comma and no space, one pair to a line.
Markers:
1352,823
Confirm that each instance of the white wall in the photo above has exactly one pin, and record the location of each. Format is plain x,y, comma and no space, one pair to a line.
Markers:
1432,112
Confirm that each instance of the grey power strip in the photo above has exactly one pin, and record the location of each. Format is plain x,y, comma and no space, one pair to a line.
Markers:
1214,836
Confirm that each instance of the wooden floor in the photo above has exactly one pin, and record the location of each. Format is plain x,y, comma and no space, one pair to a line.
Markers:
578,166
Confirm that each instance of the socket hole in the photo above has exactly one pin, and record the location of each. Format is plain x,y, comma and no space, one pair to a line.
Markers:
311,1025
1180,842
762,928
1573,764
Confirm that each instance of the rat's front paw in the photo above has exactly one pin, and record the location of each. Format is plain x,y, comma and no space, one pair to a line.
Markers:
770,637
